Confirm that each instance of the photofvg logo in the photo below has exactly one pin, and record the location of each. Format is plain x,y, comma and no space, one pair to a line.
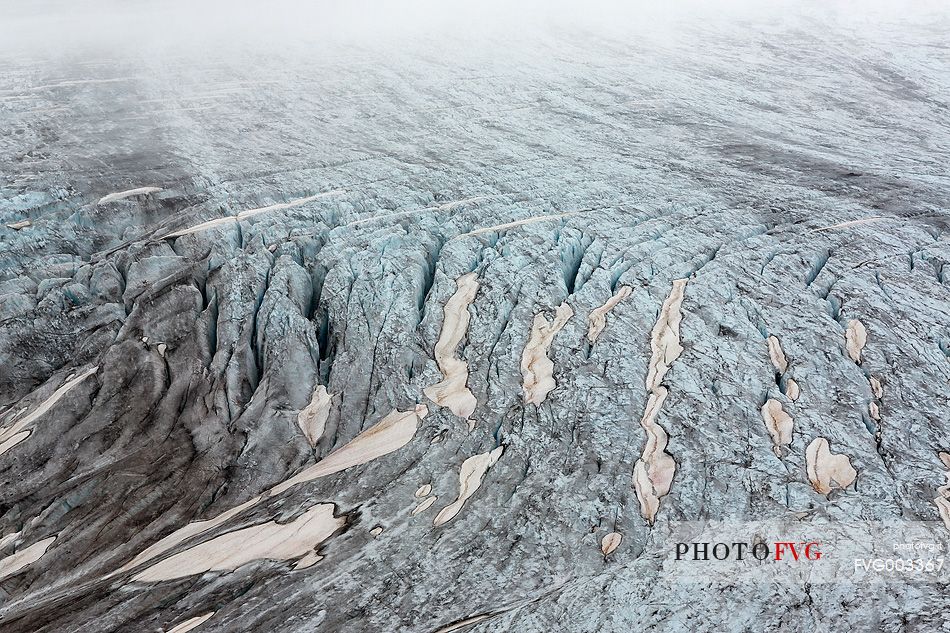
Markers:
777,551
796,551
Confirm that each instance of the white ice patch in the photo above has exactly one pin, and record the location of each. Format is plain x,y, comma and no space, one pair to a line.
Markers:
121,195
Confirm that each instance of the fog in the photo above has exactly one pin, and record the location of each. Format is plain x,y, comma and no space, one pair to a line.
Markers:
61,28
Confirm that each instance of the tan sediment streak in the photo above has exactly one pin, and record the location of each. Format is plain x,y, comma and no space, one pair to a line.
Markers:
856,337
827,469
390,434
253,212
119,195
13,440
425,505
610,542
777,355
665,340
597,319
182,534
453,391
309,560
536,368
312,420
779,424
470,479
653,472
192,623
792,390
271,541
13,434
20,560
780,361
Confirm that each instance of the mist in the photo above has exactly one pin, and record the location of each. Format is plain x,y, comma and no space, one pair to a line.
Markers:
70,29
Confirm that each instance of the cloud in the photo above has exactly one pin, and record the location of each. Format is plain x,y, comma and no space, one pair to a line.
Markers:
61,27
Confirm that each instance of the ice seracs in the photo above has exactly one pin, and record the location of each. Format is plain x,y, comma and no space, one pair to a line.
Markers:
850,223
517,223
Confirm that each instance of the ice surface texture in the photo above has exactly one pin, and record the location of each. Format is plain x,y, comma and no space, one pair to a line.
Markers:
241,276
